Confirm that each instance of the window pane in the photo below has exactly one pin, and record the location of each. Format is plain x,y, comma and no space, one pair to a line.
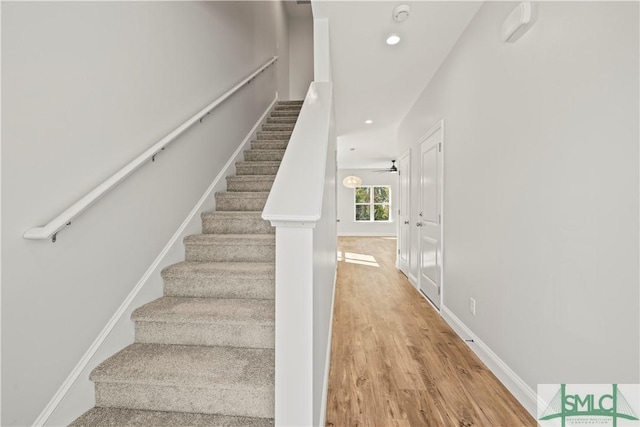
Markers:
381,194
381,212
363,213
362,195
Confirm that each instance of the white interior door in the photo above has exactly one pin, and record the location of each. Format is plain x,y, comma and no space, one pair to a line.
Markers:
404,225
430,216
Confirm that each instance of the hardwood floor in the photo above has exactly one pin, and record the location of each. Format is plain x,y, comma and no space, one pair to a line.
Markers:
394,360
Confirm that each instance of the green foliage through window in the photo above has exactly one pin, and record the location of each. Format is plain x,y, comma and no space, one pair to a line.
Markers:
372,203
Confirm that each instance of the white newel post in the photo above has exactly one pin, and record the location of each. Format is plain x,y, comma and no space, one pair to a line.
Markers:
294,327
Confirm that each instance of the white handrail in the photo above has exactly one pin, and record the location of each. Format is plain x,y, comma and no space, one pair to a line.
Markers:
58,223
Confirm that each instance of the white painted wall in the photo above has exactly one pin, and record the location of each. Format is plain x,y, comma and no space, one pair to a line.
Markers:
282,49
541,188
325,246
348,226
86,87
300,56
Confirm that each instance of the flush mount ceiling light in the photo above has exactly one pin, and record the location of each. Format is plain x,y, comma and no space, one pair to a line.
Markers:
393,39
368,121
352,181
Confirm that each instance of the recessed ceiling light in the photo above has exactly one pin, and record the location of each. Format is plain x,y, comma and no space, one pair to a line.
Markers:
393,39
369,121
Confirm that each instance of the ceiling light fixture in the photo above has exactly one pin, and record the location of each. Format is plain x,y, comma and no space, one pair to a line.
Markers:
368,121
352,181
393,39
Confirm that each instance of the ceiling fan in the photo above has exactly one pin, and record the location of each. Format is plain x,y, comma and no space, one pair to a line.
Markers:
392,169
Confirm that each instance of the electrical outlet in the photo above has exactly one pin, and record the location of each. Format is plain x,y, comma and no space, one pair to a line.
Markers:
472,306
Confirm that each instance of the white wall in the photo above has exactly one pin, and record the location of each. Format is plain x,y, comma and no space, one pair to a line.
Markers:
300,56
282,49
325,246
541,188
348,226
86,87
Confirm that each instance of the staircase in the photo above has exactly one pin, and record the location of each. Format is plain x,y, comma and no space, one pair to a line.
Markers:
204,352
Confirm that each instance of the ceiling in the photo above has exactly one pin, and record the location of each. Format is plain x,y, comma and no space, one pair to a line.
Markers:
375,81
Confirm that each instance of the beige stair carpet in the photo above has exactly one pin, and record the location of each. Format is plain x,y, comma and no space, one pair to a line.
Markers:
204,352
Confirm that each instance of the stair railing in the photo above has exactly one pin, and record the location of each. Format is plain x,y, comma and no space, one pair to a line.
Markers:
301,205
51,229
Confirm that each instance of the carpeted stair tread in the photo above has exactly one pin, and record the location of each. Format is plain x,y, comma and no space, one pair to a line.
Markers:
245,270
257,168
288,107
288,127
230,239
285,113
243,194
269,145
227,368
121,417
292,102
207,310
250,182
230,247
220,280
274,120
236,222
264,154
274,135
241,200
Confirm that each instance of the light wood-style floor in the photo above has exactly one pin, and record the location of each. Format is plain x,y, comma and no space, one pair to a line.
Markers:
395,361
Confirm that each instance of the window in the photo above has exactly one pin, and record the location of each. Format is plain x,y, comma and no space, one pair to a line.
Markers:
372,203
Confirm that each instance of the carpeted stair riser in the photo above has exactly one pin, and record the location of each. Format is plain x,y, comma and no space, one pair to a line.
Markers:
258,336
206,321
119,417
257,168
220,280
285,113
275,135
281,127
241,201
292,102
263,155
282,120
201,379
234,222
287,107
269,145
250,183
230,248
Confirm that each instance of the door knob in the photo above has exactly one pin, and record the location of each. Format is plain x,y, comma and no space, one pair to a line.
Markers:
406,222
418,224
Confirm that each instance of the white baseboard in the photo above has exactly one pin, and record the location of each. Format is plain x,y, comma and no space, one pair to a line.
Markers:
327,363
520,390
413,280
365,234
67,403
